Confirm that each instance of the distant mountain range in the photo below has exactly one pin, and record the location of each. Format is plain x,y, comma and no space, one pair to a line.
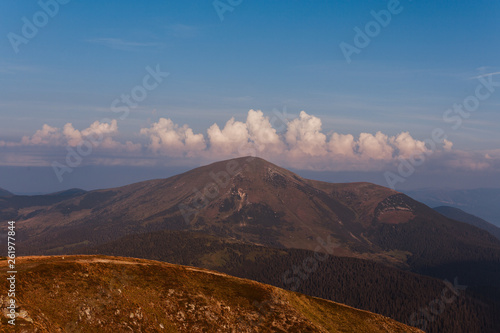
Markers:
113,294
459,215
482,203
255,209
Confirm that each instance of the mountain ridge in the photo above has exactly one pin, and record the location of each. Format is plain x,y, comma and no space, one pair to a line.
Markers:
462,216
481,202
109,294
5,193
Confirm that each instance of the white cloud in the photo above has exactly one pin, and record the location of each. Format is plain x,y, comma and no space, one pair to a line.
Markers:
262,133
171,139
73,136
342,144
447,145
375,146
302,145
99,134
304,136
48,135
232,139
408,146
100,129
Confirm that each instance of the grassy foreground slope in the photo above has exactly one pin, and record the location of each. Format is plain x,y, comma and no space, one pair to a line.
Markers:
116,294
362,284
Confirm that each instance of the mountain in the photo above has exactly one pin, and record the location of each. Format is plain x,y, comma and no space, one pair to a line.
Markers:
252,200
459,215
482,202
256,201
5,193
68,193
12,207
249,202
113,294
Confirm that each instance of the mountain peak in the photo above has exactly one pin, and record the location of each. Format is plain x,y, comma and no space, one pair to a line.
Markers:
248,164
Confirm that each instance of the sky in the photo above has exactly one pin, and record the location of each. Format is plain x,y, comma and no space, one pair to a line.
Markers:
96,94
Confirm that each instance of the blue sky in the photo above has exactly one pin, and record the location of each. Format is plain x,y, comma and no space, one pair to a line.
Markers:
264,55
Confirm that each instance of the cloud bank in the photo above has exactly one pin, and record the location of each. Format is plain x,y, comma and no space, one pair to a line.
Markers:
299,143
